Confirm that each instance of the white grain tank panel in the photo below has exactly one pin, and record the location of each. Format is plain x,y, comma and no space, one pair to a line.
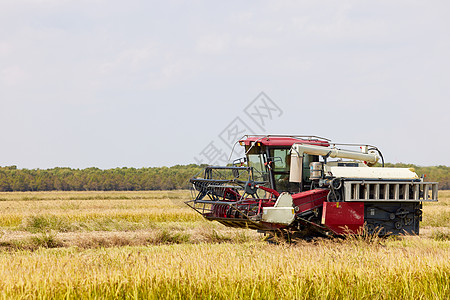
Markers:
373,173
278,215
284,200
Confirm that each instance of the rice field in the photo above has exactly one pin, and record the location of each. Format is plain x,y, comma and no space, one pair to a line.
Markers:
134,245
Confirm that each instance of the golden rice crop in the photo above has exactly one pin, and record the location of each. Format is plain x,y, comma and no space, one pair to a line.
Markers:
131,245
327,270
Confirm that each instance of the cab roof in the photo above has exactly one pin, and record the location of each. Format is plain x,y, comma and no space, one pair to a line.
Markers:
284,140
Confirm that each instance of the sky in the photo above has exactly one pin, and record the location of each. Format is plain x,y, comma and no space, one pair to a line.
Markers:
157,83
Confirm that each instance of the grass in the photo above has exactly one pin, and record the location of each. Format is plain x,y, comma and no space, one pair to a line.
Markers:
129,245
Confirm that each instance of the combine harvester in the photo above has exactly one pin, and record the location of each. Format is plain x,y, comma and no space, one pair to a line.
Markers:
290,186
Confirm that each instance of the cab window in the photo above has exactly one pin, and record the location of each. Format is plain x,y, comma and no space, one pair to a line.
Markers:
281,163
281,160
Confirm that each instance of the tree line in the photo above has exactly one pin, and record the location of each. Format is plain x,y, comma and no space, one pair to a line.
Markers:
95,179
133,179
439,174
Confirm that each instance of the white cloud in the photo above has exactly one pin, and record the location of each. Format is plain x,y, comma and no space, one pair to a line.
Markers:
213,44
131,60
12,76
253,42
172,73
5,49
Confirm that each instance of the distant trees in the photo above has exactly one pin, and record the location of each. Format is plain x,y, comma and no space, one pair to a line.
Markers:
132,179
439,174
94,179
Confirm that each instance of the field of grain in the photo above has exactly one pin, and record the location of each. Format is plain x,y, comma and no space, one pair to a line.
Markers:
133,245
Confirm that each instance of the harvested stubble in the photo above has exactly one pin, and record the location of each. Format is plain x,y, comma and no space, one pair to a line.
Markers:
84,211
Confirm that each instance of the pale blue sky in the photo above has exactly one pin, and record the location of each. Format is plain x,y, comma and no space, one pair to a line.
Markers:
152,83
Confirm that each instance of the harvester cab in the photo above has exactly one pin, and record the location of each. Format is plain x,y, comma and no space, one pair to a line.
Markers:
307,186
270,160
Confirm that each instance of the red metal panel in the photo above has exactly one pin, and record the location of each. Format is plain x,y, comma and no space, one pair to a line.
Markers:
343,217
282,141
308,200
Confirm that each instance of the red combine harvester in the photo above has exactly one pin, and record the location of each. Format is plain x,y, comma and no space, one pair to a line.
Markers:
306,186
